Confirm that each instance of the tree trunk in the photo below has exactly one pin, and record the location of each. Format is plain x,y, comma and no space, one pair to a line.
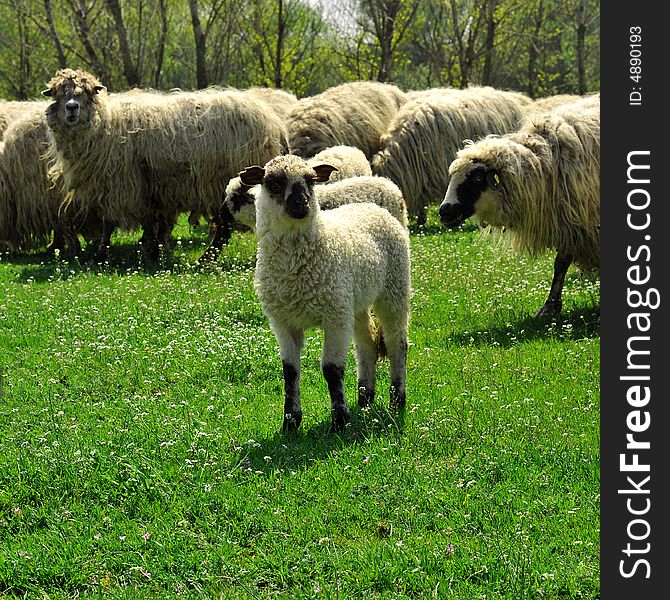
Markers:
490,40
82,28
281,26
129,68
533,51
581,42
162,36
62,61
202,80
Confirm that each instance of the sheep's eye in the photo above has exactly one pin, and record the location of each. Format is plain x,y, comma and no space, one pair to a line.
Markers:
309,180
478,176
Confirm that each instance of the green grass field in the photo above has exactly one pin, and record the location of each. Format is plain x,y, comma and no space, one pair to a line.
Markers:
140,452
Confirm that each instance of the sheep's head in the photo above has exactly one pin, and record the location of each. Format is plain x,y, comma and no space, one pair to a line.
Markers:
474,189
240,202
287,184
74,94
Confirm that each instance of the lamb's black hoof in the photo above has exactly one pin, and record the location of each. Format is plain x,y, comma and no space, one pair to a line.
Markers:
291,422
340,418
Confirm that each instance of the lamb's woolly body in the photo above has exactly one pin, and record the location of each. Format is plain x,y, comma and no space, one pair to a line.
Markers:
139,154
550,171
428,131
349,162
240,200
326,270
331,272
352,114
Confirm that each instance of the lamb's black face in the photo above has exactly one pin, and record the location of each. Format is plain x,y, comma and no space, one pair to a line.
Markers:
293,193
465,189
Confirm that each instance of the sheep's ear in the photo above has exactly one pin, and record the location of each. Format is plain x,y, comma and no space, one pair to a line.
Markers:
323,172
252,175
48,92
98,88
493,179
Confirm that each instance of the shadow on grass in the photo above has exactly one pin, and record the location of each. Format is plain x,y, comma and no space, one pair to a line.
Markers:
298,450
124,259
573,324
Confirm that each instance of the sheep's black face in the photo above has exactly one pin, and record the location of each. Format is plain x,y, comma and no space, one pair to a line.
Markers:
465,190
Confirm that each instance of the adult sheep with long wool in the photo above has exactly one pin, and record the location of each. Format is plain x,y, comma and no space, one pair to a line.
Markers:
351,114
429,130
140,159
542,184
327,269
29,205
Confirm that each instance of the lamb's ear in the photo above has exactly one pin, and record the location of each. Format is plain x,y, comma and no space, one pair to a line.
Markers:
493,179
323,172
252,175
48,92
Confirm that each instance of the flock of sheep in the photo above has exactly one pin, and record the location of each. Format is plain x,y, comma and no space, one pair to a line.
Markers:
327,183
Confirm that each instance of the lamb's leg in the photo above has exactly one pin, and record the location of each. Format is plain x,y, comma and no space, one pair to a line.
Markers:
334,359
290,344
366,358
394,317
552,307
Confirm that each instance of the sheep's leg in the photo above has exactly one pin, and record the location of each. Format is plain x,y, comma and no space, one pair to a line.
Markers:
366,358
333,362
223,227
103,246
552,307
290,344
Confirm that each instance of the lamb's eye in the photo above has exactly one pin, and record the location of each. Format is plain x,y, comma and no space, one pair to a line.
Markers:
274,186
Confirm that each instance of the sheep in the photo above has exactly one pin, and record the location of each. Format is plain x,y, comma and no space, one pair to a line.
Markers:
140,159
239,203
13,109
348,161
279,100
29,206
541,183
427,132
354,114
550,102
327,269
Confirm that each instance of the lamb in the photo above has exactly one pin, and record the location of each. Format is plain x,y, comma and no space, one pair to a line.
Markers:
140,159
427,132
327,269
542,183
347,160
239,204
353,114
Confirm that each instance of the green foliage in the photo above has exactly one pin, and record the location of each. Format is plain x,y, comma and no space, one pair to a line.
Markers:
140,454
416,45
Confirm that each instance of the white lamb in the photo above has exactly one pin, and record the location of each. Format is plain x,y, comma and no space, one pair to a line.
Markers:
239,202
327,269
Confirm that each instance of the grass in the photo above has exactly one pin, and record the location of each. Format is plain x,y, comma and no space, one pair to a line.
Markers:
140,455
